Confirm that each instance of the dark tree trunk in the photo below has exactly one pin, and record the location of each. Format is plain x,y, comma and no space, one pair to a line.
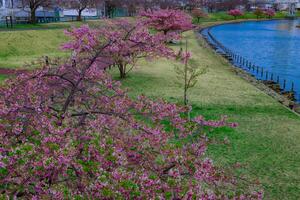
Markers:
122,70
79,17
32,16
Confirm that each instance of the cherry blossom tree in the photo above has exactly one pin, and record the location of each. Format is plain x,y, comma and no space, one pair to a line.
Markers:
235,13
198,14
269,13
68,131
132,41
167,20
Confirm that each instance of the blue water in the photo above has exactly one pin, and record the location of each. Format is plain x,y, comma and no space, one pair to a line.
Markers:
273,45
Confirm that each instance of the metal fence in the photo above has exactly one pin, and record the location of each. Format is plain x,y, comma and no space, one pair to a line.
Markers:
42,20
275,81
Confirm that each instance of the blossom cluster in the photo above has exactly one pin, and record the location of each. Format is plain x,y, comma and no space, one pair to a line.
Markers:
167,20
269,12
235,12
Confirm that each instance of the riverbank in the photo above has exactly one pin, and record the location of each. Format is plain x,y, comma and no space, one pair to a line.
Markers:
223,17
270,87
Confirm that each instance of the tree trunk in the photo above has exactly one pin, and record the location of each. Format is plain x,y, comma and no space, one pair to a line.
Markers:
79,15
185,75
122,70
185,96
32,16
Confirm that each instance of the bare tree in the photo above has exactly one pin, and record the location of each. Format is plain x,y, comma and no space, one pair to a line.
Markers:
33,5
80,5
188,72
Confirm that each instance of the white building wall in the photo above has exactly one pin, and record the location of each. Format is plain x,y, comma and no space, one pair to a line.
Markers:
92,12
6,8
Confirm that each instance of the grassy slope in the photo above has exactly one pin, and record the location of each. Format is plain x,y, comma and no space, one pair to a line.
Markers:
27,42
267,142
23,46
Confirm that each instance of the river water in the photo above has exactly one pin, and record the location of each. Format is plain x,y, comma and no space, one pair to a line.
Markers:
273,45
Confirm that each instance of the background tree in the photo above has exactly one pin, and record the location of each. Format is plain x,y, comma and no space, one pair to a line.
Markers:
199,14
110,7
269,13
132,10
33,5
80,5
197,4
167,20
235,13
258,13
132,41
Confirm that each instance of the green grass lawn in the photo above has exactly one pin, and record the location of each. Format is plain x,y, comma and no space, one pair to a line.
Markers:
18,47
2,78
26,43
267,142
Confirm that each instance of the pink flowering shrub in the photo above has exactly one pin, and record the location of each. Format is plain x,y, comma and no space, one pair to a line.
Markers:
167,20
68,131
269,13
235,13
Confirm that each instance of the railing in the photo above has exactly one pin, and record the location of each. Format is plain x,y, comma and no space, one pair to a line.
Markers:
5,23
274,81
